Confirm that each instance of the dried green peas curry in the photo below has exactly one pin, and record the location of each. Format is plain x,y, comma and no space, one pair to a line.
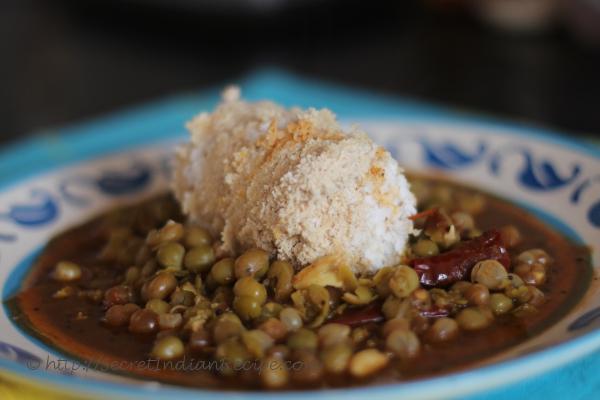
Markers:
139,284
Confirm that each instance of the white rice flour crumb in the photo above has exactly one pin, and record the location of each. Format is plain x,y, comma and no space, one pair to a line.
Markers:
291,182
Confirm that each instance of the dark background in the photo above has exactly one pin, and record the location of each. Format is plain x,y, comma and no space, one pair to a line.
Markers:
64,61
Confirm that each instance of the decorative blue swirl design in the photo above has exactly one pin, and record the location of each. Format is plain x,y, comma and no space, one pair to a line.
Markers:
593,214
14,353
536,175
118,183
109,182
447,155
576,195
584,320
39,213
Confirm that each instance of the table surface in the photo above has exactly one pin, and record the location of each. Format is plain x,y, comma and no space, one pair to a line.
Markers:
66,61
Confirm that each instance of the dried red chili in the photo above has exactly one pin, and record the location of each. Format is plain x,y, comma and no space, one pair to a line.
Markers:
455,265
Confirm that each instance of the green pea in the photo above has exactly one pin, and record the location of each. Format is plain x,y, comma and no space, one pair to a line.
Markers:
169,321
233,353
331,334
477,294
279,351
500,303
227,326
158,306
421,299
170,232
199,259
534,256
132,275
249,287
394,307
403,343
257,342
403,281
275,374
381,280
274,328
461,286
168,348
303,339
161,286
149,268
515,280
119,294
291,319
271,310
119,314
532,274
367,362
359,335
473,318
425,248
247,307
200,340
281,272
443,330
490,273
196,236
66,271
312,368
143,321
170,255
394,324
463,220
254,262
336,358
222,271
183,297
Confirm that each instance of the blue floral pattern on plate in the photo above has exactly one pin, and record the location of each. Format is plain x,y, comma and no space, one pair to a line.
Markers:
536,174
14,353
585,320
41,209
111,182
450,155
594,211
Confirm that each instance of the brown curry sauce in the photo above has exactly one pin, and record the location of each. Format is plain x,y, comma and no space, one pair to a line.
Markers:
73,325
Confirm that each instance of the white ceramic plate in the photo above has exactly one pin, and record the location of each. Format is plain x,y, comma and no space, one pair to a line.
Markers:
57,181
